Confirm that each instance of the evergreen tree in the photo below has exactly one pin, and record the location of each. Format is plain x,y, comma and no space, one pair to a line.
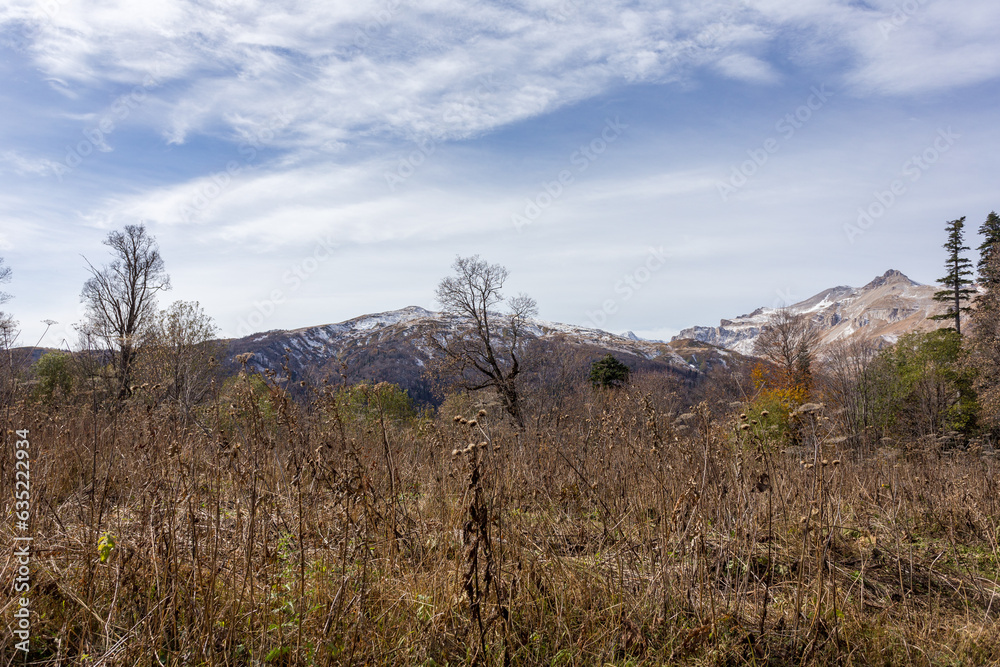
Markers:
991,233
984,345
956,282
609,372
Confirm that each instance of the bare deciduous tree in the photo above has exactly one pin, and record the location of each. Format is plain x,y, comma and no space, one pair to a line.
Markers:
182,357
789,341
8,335
121,297
484,353
858,387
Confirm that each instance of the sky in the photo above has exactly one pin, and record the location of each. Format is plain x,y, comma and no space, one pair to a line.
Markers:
643,166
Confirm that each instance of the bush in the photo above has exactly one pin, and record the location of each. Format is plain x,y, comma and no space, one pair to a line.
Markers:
775,398
55,375
366,402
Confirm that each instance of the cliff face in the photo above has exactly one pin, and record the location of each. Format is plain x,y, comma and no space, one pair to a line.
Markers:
887,307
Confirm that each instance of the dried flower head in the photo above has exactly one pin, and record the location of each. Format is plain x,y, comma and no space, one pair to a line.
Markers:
473,422
481,413
764,413
743,416
744,427
457,418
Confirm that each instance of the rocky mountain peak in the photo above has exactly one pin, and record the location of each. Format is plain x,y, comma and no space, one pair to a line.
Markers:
881,311
889,277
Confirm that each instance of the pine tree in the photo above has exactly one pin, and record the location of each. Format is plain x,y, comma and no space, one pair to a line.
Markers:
609,372
991,233
956,282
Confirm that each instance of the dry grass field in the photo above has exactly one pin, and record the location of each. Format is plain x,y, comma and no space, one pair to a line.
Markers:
276,532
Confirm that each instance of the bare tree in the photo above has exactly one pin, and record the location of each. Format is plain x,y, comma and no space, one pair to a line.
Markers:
182,357
121,297
859,388
4,277
789,341
484,351
8,336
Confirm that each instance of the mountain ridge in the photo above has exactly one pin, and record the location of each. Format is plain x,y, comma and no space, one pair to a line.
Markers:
393,346
886,307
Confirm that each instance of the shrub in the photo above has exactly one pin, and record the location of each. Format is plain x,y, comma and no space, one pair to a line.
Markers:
55,375
366,402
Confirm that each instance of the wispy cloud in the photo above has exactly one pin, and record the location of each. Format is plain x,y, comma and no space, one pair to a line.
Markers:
22,165
262,125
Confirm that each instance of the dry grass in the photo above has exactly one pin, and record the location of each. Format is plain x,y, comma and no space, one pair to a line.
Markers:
289,535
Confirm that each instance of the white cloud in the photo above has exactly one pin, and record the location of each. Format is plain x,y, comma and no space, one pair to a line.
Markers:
393,68
434,70
23,166
322,91
748,68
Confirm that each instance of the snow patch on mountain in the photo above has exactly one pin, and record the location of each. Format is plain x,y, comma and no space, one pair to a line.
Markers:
885,308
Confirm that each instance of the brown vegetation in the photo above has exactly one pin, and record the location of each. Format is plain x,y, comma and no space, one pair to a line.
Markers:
618,531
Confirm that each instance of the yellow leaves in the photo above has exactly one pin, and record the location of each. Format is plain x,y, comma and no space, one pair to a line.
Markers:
105,545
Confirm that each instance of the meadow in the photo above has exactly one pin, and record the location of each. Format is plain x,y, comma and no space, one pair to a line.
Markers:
621,529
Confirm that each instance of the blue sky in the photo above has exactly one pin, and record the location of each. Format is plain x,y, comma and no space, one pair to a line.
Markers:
640,166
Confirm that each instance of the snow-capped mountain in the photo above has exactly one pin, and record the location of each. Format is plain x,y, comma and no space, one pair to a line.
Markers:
882,310
393,346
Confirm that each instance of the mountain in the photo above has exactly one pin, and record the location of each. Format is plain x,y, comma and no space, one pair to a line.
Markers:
392,346
881,311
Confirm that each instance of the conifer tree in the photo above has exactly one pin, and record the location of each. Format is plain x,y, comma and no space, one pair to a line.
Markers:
991,241
957,292
609,372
